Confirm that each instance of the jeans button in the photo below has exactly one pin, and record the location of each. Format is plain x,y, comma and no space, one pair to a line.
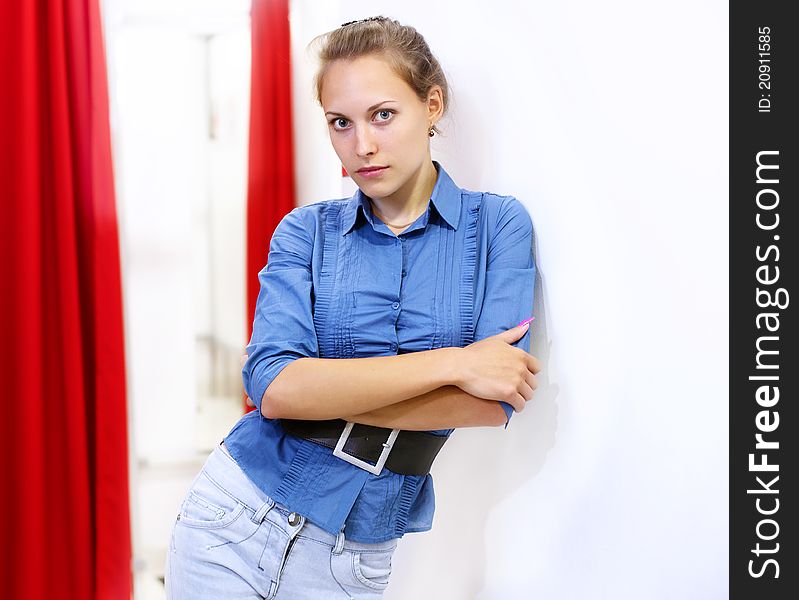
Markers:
294,519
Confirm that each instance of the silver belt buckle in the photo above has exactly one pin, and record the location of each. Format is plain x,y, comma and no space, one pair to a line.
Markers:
354,460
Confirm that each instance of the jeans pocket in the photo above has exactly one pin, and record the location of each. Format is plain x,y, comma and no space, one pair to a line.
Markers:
363,569
373,568
215,516
210,518
208,506
197,508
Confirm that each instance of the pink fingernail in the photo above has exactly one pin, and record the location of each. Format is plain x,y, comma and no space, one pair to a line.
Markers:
525,321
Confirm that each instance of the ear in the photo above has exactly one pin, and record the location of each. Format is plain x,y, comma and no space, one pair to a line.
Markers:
435,103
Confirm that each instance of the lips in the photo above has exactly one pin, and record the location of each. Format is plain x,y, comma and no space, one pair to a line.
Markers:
370,169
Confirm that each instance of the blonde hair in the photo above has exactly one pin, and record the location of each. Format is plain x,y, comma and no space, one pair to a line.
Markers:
402,46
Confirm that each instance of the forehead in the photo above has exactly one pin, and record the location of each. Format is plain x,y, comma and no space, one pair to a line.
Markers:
361,82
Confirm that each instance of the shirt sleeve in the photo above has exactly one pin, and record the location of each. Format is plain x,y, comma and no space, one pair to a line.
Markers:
510,278
283,328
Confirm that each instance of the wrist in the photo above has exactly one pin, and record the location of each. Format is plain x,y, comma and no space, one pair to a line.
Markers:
449,366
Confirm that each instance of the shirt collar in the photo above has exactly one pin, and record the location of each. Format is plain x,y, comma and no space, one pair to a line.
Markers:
446,198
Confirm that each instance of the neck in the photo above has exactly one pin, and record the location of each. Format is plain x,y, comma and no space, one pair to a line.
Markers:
408,202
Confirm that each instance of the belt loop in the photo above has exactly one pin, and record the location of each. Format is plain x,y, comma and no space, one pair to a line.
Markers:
259,515
339,543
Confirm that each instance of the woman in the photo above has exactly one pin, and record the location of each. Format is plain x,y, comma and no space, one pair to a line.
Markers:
362,359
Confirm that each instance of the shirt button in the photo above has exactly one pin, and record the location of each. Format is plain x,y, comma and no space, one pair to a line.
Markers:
393,347
403,272
395,306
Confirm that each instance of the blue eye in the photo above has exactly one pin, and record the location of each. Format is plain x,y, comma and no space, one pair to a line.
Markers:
338,120
386,112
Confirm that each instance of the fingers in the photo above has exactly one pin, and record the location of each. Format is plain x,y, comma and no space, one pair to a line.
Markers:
515,333
526,390
250,402
517,402
533,364
531,382
523,394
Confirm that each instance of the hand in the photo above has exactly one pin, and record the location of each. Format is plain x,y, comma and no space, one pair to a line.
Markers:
494,370
244,358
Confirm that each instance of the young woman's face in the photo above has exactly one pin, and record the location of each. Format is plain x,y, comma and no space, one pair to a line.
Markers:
376,120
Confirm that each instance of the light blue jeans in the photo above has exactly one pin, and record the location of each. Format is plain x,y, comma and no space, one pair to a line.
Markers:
231,541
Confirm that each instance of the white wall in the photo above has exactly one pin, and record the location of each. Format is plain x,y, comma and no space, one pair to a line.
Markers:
609,122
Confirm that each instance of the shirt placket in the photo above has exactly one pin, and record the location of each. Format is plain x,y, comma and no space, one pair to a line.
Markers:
401,246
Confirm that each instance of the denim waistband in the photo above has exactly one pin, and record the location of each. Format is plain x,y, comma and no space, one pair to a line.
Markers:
222,468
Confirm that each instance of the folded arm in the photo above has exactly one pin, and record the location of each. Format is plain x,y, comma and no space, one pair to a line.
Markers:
447,407
285,378
327,388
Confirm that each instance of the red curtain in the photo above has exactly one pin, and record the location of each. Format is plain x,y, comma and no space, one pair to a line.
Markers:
65,503
271,151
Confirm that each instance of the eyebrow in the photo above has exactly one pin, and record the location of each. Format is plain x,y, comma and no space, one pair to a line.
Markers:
370,109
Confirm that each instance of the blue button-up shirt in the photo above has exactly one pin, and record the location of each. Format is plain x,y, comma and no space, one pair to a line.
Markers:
340,284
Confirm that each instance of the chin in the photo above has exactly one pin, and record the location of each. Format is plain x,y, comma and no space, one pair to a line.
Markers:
377,189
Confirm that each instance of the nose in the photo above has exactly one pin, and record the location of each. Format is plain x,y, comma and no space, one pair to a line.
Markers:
364,141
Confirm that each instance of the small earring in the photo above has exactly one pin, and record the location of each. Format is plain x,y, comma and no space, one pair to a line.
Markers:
431,133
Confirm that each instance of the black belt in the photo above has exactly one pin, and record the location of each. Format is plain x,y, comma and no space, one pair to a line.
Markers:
399,450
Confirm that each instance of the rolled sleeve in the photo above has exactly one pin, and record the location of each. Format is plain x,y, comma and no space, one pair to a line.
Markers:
283,328
509,278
